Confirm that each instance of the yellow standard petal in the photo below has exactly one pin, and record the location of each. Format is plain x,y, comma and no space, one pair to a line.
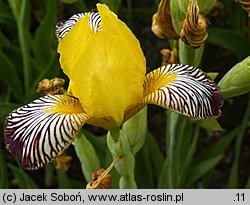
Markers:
106,66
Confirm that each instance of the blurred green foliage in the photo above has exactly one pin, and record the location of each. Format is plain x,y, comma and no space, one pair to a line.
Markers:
179,160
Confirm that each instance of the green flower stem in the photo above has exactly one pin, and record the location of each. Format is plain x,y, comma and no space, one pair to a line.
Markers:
125,143
119,147
189,55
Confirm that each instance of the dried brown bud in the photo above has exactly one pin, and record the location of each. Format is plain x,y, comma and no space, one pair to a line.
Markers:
194,27
53,86
101,179
162,25
246,6
63,161
170,56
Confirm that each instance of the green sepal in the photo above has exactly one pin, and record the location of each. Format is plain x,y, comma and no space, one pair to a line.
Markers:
135,130
87,155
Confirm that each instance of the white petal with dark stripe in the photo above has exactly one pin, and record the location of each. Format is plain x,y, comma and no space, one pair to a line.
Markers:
43,129
183,89
63,27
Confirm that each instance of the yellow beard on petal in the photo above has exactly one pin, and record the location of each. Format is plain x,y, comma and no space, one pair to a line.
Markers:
106,69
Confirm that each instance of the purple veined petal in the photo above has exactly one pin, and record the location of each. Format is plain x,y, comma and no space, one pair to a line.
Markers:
184,89
43,129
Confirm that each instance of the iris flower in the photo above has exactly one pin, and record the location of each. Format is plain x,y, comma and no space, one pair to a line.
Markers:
108,85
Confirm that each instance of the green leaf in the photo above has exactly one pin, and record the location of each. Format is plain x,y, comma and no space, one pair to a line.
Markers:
23,180
172,138
87,156
24,40
234,172
100,145
143,169
163,182
177,15
217,148
236,81
185,168
45,34
230,40
63,179
178,137
200,169
206,6
15,7
155,152
210,125
10,77
15,56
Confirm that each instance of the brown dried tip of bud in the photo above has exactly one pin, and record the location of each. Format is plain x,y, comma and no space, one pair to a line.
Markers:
194,27
246,6
170,56
53,86
162,25
101,179
63,161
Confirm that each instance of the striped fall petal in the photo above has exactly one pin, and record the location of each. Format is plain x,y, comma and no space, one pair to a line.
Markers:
43,129
184,89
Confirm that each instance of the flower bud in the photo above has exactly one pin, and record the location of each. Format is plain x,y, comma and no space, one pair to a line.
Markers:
194,26
170,56
100,180
236,81
162,25
53,86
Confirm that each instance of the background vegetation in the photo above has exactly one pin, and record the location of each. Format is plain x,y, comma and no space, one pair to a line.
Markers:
177,153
